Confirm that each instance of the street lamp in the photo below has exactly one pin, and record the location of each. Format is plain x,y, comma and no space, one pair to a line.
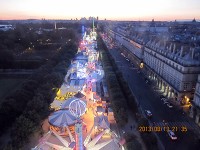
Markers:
141,65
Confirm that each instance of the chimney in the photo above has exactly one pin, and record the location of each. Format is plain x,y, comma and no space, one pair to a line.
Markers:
170,48
192,52
174,48
55,26
165,43
182,50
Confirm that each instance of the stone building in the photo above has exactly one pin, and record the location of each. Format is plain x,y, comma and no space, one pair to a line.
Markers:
172,66
195,113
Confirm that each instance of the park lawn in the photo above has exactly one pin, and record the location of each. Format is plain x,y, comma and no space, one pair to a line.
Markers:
8,86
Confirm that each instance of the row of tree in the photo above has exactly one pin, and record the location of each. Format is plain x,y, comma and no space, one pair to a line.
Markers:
117,98
29,105
24,42
120,95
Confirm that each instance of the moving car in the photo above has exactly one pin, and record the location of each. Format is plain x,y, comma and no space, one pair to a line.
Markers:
172,135
148,113
169,105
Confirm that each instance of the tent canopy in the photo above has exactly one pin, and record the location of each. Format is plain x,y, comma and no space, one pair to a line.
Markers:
79,95
102,122
62,118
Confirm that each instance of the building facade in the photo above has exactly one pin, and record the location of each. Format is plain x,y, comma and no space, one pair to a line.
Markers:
195,113
172,66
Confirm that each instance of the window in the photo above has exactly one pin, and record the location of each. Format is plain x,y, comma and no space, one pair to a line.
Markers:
186,86
178,84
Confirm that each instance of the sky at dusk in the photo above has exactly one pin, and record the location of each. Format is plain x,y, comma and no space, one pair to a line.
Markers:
109,9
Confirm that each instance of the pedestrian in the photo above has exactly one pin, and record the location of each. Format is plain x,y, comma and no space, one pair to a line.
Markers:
86,130
131,127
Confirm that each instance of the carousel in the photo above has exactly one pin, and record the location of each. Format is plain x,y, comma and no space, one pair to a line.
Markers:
62,121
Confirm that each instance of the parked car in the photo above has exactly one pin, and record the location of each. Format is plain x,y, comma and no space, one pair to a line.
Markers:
172,135
123,54
148,113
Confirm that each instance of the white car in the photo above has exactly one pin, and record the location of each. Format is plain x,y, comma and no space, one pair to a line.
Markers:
172,135
148,113
122,54
169,105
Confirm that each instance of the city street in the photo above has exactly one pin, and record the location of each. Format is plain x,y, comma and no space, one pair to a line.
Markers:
150,100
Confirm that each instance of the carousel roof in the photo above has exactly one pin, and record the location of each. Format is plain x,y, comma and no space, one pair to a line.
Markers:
62,118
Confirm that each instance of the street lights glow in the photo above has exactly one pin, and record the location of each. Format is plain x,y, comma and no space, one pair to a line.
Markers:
141,65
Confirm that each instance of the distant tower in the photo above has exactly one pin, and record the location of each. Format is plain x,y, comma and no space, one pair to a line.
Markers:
83,29
93,24
194,20
55,26
97,21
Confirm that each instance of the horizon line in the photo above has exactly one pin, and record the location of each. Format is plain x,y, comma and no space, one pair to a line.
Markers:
102,19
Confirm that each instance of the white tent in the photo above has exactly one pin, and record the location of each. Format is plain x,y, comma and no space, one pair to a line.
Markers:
107,145
52,140
101,122
66,88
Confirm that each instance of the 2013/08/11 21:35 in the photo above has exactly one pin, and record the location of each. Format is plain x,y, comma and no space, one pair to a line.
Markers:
160,128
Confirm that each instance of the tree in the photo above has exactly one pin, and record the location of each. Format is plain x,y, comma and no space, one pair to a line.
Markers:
6,59
133,145
21,130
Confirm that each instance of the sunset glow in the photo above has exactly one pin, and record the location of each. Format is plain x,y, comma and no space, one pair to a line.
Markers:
109,9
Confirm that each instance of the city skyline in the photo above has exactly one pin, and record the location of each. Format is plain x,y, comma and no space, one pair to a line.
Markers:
111,10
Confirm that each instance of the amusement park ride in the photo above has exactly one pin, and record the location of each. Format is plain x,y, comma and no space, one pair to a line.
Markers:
67,122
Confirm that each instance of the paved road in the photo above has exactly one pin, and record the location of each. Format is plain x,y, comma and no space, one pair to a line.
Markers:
149,99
